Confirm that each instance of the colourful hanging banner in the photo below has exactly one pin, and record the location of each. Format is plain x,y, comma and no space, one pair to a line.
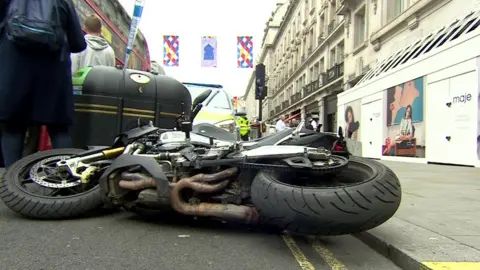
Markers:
137,15
170,51
209,51
245,52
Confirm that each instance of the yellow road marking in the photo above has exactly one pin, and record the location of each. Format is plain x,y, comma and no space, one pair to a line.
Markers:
297,253
451,265
327,256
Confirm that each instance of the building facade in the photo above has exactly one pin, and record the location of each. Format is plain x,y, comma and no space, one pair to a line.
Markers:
325,47
265,57
421,102
306,56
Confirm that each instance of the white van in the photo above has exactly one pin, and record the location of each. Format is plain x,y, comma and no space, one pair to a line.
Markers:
217,108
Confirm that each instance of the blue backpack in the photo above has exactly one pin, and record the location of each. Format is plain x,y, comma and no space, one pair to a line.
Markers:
34,25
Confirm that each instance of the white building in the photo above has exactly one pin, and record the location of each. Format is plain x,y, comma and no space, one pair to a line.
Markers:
326,46
305,66
420,101
265,57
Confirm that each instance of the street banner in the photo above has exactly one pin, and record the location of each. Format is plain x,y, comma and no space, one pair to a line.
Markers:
209,51
244,52
171,56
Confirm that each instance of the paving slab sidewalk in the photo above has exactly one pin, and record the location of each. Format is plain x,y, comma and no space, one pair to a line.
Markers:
438,223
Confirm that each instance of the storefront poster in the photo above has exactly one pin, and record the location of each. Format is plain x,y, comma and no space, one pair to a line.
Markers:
405,126
351,118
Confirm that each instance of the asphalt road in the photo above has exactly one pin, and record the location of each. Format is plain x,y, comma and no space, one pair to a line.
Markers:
121,240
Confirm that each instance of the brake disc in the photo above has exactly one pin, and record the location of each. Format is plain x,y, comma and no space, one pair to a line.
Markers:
42,174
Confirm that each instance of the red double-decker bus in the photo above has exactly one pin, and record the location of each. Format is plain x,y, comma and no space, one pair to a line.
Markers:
116,26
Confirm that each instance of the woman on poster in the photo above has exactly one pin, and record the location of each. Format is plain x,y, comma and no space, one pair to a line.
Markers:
351,126
406,131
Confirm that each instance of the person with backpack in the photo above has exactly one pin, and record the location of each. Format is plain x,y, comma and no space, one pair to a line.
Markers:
36,39
98,52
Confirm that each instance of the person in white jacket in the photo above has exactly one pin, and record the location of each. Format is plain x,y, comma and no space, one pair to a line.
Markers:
98,52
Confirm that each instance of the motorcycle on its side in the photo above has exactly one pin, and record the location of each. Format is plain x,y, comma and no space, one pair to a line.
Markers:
197,172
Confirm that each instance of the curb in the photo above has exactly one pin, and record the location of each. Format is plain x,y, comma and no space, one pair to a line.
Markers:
397,256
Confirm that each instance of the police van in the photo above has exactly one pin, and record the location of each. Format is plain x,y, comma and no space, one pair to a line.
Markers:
217,109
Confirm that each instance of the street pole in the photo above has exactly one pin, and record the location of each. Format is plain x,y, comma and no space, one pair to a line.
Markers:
260,118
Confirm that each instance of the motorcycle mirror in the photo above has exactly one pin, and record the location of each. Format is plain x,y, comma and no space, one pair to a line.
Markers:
201,98
340,132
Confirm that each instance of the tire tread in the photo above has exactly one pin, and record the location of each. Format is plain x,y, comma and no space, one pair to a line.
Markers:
328,211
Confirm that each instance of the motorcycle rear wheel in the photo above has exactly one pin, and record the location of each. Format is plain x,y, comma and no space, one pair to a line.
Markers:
15,194
361,197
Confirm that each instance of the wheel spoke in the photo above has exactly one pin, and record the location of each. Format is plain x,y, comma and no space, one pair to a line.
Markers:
55,192
26,181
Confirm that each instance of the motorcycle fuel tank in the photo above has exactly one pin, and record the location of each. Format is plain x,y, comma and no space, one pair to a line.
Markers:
109,101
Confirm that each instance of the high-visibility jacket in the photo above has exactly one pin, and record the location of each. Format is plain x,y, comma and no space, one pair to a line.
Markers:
244,125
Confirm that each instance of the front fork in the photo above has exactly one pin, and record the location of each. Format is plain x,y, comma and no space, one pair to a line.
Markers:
73,165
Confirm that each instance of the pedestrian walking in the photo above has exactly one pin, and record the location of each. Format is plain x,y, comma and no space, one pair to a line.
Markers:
36,39
280,124
98,52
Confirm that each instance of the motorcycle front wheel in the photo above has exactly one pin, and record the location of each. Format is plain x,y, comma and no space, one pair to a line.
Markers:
34,187
359,198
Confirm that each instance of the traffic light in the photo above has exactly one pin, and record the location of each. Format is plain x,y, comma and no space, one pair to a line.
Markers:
260,87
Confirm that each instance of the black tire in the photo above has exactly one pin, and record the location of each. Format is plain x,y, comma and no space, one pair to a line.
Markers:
43,207
351,208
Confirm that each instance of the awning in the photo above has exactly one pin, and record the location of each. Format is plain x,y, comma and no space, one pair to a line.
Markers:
293,116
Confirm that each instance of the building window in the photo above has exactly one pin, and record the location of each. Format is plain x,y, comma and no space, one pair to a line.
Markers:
299,20
359,27
312,38
340,51
333,10
395,8
306,9
312,75
304,45
332,58
294,27
322,65
322,26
